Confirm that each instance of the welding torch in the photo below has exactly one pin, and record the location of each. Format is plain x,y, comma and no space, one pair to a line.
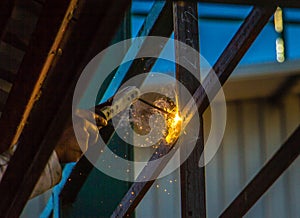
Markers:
122,100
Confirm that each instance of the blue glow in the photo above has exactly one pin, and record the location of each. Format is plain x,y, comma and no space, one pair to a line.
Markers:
216,34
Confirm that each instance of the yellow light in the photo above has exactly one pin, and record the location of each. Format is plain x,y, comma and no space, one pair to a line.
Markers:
177,118
280,50
278,22
174,127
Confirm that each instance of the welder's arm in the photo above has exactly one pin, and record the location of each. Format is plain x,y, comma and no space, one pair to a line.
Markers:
66,151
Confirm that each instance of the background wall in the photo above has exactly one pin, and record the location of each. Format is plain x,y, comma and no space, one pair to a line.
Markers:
255,129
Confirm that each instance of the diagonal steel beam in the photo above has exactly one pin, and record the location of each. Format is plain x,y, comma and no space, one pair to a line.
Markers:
51,110
280,161
157,23
233,53
224,66
30,75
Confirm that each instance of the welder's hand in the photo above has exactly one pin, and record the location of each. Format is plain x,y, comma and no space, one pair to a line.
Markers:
68,149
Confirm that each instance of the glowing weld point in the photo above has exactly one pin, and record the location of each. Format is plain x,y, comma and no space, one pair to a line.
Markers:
177,118
174,128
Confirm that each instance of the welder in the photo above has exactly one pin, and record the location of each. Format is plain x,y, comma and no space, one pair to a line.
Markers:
89,123
67,149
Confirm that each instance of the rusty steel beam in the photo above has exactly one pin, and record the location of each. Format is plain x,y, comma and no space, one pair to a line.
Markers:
280,161
53,107
157,23
224,66
192,178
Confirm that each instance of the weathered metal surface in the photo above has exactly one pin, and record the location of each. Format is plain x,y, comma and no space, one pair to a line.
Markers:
192,178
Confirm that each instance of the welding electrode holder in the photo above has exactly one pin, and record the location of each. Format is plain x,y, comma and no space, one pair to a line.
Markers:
119,102
123,99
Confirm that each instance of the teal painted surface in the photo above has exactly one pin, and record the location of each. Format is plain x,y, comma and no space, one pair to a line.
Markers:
101,194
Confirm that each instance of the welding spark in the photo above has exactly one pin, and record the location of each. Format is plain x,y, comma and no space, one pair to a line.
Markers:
174,127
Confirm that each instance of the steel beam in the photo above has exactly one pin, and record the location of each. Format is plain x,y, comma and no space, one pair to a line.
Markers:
76,31
224,66
157,23
233,53
192,178
25,89
280,161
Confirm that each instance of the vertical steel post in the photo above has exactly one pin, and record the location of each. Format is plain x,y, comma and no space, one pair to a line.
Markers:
185,19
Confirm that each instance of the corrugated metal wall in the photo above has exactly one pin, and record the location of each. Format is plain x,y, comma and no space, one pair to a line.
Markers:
255,130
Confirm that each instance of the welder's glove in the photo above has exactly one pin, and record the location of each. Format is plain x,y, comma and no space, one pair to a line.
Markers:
68,149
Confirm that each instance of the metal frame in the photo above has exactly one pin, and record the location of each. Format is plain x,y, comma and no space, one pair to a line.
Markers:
224,66
33,152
